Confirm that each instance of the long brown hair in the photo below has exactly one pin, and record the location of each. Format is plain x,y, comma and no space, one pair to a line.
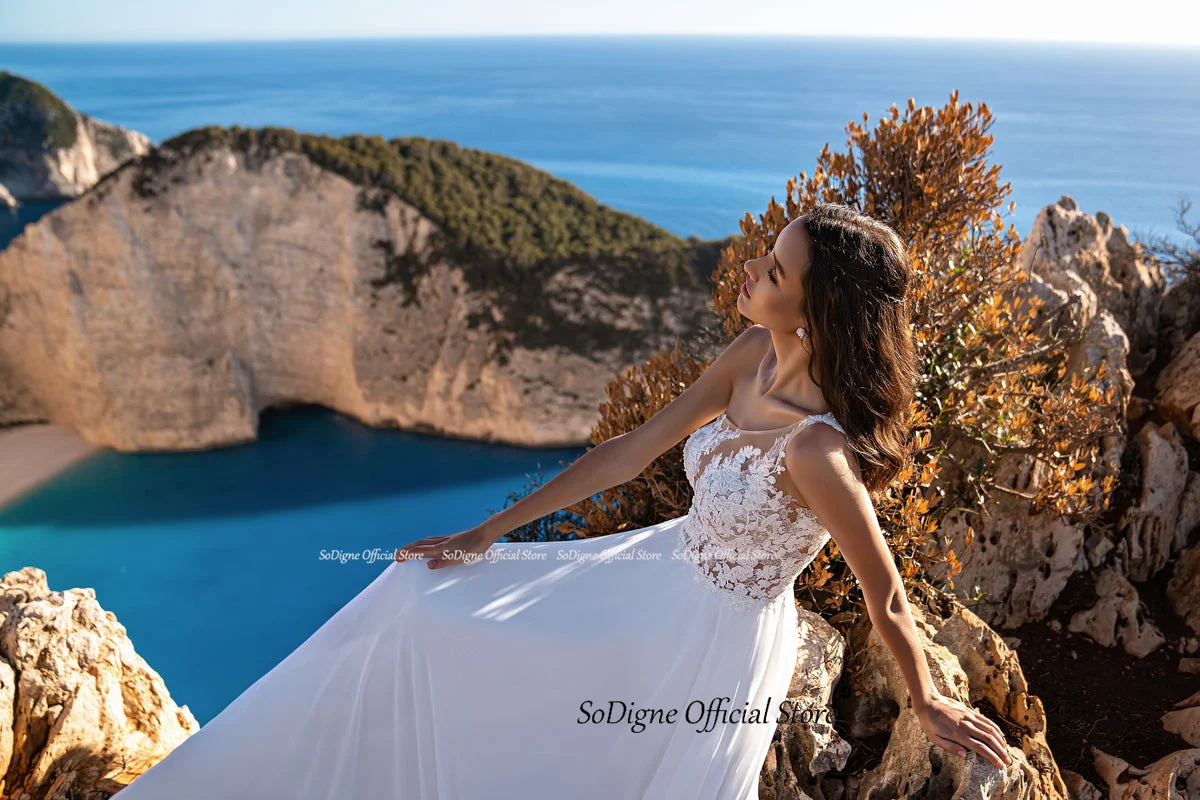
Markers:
864,359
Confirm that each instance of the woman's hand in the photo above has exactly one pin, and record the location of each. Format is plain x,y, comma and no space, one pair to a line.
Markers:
469,545
958,728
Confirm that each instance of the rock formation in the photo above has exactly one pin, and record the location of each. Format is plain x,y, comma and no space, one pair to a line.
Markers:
50,151
1091,259
1172,777
1183,589
1022,561
80,710
969,662
226,272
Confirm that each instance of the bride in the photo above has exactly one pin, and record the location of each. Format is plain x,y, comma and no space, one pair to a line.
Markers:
650,663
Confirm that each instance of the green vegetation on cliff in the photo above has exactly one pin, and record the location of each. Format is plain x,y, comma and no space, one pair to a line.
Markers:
32,117
510,226
485,203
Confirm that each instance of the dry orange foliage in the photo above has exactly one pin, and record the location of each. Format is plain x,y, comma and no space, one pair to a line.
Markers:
997,380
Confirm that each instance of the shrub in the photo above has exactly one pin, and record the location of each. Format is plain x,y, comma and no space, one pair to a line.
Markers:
996,383
32,117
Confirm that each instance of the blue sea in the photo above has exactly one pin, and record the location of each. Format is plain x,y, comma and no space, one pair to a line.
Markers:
221,562
690,133
213,561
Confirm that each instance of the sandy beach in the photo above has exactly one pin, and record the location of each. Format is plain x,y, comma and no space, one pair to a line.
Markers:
31,454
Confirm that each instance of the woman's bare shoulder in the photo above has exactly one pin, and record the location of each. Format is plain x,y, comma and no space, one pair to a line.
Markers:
820,454
741,355
757,340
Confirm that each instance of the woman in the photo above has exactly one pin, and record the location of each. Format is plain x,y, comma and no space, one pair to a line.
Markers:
650,663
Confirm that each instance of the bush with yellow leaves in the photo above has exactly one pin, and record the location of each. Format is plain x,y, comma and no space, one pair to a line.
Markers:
996,378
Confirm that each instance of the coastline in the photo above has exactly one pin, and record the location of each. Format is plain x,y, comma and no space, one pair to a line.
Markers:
32,454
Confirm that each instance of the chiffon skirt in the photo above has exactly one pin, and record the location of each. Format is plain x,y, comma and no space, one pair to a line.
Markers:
544,671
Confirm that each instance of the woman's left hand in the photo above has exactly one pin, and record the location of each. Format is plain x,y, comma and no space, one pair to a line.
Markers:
467,546
958,728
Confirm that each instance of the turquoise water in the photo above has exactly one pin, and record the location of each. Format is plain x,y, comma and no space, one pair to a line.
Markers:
213,561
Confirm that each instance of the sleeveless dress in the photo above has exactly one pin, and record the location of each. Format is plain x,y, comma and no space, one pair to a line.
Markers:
544,670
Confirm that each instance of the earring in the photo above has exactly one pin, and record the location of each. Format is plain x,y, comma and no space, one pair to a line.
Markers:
801,332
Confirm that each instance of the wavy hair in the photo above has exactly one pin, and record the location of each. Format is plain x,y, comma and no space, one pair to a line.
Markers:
858,304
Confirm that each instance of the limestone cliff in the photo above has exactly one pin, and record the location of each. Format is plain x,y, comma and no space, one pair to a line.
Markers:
404,283
50,151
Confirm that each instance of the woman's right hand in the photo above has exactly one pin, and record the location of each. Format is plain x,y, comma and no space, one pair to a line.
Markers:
957,728
469,545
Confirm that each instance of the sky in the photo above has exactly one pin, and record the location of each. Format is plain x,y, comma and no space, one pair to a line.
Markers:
1166,22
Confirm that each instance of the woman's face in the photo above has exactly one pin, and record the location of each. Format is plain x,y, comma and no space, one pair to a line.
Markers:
774,287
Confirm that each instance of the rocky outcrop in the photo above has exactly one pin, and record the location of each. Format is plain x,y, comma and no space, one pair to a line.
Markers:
1022,564
1185,720
1154,528
806,745
973,664
969,662
80,710
213,278
1092,259
1178,388
1021,561
1117,617
1172,777
1183,589
50,151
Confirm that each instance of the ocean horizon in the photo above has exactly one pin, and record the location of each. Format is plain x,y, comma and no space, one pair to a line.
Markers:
688,132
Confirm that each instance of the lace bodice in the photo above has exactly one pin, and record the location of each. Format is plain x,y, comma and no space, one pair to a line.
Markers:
747,537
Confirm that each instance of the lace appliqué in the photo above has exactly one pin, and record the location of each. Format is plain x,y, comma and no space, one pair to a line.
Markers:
747,538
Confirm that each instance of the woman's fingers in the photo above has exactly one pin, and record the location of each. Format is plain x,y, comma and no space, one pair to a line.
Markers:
948,745
420,548
967,739
965,744
959,728
991,730
467,545
987,749
970,736
993,740
987,724
442,561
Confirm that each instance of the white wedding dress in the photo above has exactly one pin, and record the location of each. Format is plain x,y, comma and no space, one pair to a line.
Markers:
481,680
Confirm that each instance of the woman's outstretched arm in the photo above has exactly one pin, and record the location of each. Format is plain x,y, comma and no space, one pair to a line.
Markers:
624,457
824,469
612,462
